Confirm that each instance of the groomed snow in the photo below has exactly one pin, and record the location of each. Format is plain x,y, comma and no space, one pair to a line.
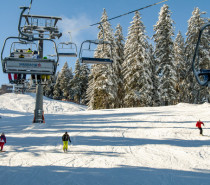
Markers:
133,146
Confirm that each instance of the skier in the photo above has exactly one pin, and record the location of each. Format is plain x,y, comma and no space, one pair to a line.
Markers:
198,124
65,139
2,141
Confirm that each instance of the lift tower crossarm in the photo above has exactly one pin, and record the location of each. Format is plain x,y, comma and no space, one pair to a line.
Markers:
29,30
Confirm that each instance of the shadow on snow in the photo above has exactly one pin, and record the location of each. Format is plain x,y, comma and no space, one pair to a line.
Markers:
122,175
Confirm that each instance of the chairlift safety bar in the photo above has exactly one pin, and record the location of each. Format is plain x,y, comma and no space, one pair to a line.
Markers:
202,72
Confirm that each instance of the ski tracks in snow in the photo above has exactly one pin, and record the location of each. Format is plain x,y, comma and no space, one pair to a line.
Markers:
162,142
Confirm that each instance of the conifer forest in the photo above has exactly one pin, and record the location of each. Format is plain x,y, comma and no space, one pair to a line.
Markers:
145,71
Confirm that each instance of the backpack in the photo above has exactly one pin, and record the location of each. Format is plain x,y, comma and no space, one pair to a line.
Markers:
65,137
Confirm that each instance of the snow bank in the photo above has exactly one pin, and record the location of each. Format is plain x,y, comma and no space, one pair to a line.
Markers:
26,103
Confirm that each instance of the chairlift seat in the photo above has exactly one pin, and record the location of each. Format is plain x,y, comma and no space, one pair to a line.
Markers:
202,75
89,60
67,54
204,72
29,66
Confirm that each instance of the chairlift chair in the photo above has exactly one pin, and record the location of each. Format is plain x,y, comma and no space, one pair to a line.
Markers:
28,65
202,75
94,60
67,49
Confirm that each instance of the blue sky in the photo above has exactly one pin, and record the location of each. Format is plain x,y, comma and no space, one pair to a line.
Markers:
81,13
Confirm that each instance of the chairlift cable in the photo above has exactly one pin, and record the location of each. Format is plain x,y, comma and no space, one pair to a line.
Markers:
148,6
30,7
129,12
94,60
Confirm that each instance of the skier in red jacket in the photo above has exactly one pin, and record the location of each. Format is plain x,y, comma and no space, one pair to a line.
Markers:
198,124
2,141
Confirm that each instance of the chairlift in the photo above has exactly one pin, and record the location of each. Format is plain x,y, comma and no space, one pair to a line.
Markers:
28,65
86,46
37,66
93,60
67,49
202,75
32,65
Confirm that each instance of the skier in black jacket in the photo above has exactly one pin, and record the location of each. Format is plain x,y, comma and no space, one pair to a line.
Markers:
65,140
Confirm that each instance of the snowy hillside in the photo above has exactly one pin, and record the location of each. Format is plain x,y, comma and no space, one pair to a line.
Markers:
135,146
26,103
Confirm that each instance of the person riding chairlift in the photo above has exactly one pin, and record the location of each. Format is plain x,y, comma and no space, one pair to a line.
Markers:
35,56
10,75
10,78
29,50
39,77
45,77
21,77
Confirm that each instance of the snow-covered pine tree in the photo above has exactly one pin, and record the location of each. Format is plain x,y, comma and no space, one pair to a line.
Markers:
76,83
104,84
64,81
180,64
57,93
164,57
119,59
49,87
69,85
80,82
46,88
154,77
84,74
196,93
90,90
136,66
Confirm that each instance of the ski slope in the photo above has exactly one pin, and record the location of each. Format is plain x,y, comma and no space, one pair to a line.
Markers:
133,146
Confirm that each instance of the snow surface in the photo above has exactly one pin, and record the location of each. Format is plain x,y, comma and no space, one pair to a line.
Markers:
133,146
